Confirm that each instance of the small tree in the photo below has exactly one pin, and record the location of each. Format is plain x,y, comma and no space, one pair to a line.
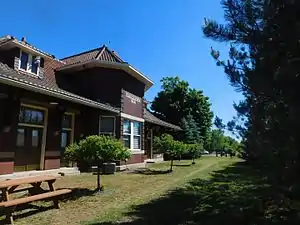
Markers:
166,144
98,149
195,151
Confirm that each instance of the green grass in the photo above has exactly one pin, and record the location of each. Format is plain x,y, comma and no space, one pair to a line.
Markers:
123,193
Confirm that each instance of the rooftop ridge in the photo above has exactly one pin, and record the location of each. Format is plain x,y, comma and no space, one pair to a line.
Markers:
84,52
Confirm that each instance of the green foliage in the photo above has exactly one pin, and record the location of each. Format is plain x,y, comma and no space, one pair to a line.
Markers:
195,150
190,131
71,153
97,148
177,100
264,66
221,143
166,144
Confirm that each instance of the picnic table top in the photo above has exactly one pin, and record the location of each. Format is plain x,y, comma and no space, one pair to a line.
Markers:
27,180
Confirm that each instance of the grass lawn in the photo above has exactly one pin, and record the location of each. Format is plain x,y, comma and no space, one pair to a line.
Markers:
124,192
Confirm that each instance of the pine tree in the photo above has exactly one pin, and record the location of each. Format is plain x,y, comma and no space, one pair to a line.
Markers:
190,131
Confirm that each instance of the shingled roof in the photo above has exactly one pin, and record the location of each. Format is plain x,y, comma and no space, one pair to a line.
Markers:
46,85
149,117
102,54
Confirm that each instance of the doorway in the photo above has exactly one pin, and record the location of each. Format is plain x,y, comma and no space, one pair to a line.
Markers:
30,138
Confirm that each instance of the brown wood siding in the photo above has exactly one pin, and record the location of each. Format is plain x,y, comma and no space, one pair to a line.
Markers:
101,84
135,158
131,104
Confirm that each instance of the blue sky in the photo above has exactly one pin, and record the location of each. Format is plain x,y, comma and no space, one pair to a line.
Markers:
160,38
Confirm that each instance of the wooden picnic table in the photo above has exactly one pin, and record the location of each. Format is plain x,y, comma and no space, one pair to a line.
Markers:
36,192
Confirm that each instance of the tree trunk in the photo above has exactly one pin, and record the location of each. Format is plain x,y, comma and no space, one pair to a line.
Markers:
98,178
193,162
171,168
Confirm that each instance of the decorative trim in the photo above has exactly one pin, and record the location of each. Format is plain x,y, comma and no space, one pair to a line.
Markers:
7,154
135,152
52,153
138,119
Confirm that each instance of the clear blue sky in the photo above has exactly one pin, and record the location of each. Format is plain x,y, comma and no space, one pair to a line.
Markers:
160,38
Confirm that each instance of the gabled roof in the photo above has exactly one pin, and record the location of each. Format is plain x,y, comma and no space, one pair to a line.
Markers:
149,117
102,54
10,40
46,85
105,58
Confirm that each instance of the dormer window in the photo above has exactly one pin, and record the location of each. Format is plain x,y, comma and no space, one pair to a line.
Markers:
29,63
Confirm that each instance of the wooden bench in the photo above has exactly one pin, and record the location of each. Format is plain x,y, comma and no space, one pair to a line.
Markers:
33,198
11,186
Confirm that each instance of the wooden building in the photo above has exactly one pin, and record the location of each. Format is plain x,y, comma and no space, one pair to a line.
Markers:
48,103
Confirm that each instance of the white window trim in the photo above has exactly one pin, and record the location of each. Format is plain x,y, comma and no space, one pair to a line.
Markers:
28,70
114,133
130,117
132,137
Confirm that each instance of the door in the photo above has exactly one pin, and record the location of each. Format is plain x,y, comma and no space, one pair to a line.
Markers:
29,139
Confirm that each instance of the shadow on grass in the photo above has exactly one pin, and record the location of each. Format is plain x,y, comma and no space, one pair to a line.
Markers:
183,165
237,195
147,171
30,209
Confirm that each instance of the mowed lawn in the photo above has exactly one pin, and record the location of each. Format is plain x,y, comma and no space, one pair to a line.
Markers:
123,193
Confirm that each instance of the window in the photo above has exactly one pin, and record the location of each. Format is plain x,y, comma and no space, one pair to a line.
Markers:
132,134
20,137
66,137
107,125
31,116
35,138
127,133
136,135
24,60
29,63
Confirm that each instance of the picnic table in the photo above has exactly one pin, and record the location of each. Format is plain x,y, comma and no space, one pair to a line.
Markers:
35,190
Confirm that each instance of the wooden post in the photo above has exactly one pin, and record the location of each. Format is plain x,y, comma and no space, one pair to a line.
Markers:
55,201
151,143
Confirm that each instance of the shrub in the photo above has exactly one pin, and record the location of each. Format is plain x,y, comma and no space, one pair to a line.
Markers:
166,144
98,149
195,151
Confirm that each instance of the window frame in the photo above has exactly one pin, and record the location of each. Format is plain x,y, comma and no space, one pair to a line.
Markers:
29,64
132,135
104,133
68,129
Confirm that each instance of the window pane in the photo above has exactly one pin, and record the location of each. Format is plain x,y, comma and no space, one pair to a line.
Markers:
64,139
126,139
107,125
137,142
35,138
34,65
136,128
126,127
67,121
24,61
31,116
20,137
40,118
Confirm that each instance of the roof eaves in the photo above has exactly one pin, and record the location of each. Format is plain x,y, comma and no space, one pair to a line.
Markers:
58,93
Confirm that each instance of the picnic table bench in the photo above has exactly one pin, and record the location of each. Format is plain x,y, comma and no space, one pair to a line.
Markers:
36,192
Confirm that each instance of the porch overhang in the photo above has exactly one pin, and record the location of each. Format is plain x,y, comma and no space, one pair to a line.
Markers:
150,118
112,65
